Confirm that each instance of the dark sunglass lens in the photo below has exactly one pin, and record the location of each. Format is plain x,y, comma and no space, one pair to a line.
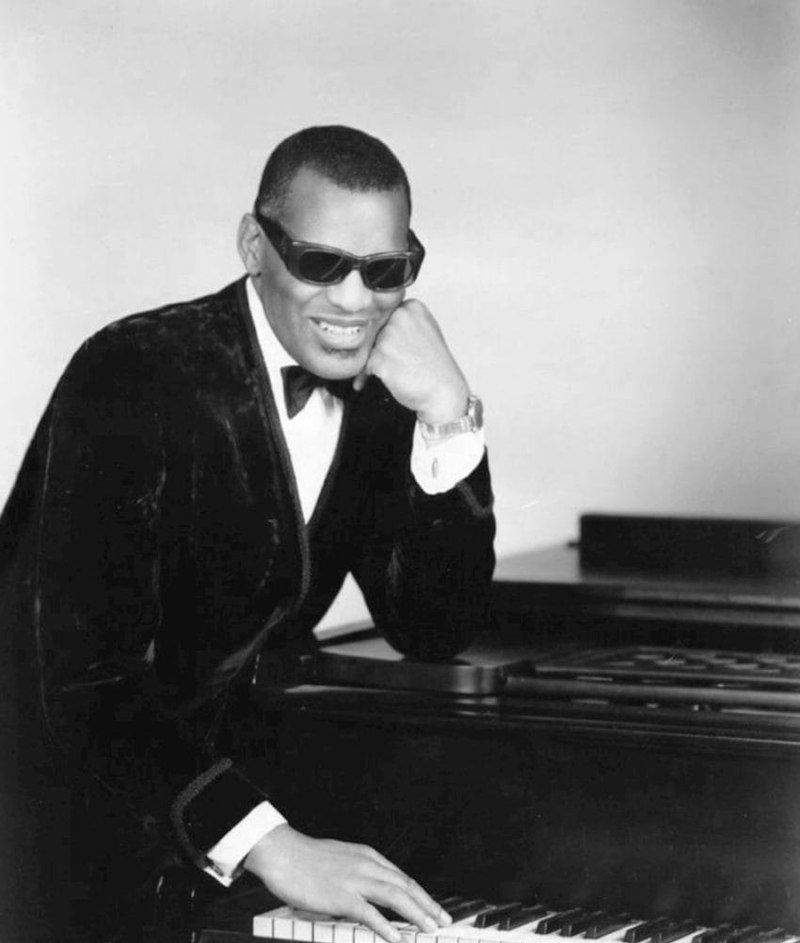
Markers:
387,274
325,268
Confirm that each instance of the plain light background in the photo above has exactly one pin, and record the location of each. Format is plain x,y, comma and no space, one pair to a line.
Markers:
608,191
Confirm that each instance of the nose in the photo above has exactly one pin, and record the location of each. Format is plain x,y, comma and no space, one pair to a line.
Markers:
351,294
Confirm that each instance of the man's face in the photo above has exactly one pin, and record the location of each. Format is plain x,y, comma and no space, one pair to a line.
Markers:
330,330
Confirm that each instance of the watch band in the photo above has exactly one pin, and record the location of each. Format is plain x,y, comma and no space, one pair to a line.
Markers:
471,421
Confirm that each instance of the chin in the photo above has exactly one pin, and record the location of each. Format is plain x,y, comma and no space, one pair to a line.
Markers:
339,364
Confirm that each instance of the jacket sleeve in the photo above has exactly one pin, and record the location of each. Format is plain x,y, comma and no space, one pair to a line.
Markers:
424,562
87,526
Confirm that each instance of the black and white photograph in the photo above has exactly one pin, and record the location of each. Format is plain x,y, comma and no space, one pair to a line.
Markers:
400,471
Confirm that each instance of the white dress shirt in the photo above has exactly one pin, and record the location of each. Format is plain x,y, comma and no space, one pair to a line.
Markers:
311,438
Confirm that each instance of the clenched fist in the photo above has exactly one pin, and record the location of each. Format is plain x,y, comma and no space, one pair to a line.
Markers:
412,359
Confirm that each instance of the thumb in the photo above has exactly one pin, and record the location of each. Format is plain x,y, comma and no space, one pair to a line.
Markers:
360,379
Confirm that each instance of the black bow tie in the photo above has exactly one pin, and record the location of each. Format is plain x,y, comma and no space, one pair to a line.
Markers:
299,384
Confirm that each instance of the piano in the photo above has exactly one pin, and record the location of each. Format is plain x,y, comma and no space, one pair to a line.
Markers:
621,750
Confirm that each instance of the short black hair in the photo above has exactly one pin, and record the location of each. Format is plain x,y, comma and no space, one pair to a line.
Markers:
349,158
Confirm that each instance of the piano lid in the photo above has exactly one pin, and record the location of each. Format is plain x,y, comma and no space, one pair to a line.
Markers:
704,570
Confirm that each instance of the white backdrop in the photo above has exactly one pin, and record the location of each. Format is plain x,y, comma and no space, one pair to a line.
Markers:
608,192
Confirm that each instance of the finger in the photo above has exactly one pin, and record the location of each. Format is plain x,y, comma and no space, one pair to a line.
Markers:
402,880
374,364
360,380
371,917
424,900
421,897
402,900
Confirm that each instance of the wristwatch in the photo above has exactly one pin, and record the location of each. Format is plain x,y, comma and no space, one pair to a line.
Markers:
471,421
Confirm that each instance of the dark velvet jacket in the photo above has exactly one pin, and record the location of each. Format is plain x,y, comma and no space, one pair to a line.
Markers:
154,544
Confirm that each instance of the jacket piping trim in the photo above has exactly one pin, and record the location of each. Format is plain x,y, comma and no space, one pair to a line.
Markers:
331,474
184,798
273,428
472,502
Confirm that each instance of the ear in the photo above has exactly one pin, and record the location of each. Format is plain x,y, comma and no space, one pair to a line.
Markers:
249,241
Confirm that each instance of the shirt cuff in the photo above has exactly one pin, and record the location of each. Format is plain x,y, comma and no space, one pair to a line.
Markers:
439,464
226,857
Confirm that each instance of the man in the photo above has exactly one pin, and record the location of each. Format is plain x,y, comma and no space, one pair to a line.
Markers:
176,516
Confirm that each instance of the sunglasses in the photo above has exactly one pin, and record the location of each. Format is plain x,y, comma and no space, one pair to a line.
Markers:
324,265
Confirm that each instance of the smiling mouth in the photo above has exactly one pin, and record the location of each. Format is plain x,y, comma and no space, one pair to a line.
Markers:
341,336
344,331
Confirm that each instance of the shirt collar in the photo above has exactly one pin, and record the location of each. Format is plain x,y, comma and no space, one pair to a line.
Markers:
275,354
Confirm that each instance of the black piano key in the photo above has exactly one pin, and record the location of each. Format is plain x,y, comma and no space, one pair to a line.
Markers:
645,930
713,934
450,901
468,909
521,917
578,924
607,924
491,918
674,932
775,935
557,921
727,933
745,934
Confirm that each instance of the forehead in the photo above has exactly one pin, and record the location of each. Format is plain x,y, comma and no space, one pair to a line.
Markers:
318,210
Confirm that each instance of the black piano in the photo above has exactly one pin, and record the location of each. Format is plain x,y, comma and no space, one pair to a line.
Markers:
624,744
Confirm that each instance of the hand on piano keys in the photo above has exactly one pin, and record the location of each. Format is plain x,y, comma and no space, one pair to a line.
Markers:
476,921
350,880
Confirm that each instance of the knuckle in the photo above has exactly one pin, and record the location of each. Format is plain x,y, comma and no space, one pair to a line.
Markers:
397,895
366,851
358,907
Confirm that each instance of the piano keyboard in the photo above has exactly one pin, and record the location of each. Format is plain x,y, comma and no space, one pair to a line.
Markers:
476,921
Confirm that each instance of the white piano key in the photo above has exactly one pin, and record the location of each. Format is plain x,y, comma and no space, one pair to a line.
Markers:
464,930
303,930
489,935
283,926
264,924
285,923
362,934
323,931
343,931
307,924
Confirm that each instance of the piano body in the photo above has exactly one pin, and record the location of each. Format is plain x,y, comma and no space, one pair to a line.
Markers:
625,739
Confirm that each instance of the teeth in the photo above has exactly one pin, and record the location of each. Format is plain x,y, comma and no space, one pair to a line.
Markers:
340,330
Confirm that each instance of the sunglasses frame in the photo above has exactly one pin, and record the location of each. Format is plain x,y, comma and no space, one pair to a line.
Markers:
291,251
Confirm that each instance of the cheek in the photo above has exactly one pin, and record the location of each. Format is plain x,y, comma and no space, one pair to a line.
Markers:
386,304
299,302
